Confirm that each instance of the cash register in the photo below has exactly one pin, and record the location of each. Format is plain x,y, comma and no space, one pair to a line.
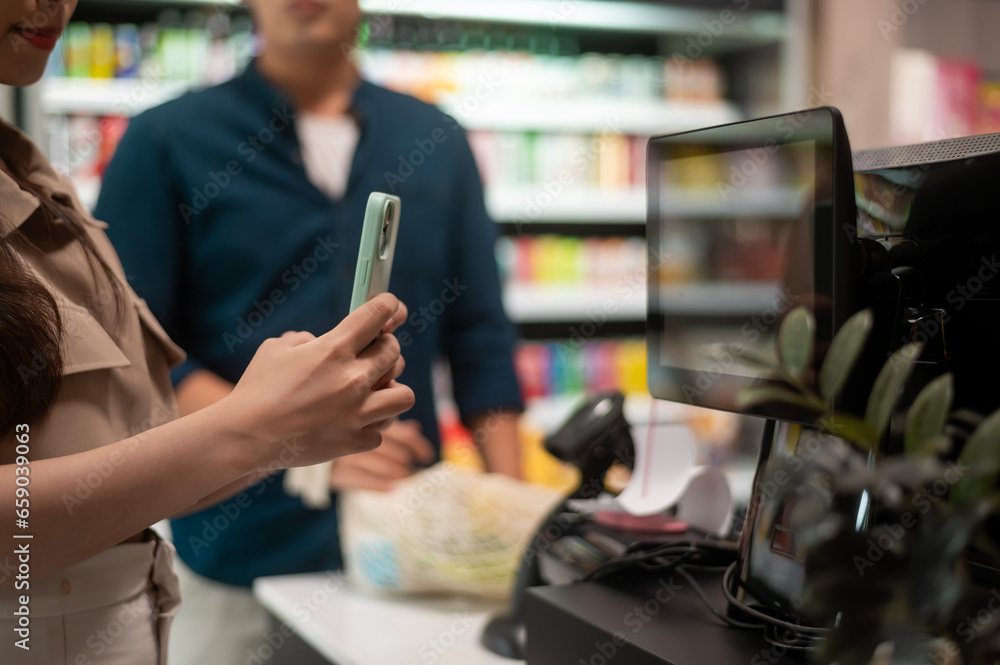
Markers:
746,221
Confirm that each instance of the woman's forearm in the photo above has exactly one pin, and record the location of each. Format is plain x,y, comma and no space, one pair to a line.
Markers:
302,400
81,504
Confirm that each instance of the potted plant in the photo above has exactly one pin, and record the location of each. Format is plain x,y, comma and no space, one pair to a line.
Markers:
897,591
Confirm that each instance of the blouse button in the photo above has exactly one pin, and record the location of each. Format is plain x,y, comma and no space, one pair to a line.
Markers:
64,588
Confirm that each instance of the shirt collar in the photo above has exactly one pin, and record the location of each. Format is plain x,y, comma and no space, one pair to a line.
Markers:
265,91
17,205
364,104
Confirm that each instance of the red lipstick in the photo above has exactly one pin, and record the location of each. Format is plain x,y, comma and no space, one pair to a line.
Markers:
306,7
41,38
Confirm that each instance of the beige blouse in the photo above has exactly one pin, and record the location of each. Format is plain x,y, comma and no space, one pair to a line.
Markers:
116,382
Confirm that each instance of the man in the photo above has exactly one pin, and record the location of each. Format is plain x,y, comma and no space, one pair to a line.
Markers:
237,212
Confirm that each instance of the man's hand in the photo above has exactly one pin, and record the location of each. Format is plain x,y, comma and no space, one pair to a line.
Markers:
403,446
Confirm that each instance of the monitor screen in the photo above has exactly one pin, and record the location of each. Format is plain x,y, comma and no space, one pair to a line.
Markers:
743,226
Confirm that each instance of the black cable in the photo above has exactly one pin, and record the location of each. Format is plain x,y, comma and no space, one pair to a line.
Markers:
708,603
661,557
798,628
684,556
791,641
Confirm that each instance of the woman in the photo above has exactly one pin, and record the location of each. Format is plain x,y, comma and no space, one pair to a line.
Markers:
90,447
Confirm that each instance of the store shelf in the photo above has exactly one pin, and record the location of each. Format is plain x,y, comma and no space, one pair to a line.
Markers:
754,26
132,96
126,97
589,116
535,204
534,303
720,298
638,17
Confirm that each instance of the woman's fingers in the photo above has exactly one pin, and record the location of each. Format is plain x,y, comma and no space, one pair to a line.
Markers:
296,337
362,325
388,402
391,375
380,359
398,319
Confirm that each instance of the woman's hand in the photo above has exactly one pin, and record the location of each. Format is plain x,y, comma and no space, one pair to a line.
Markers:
328,395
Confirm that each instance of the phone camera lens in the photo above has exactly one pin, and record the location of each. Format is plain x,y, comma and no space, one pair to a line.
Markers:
384,236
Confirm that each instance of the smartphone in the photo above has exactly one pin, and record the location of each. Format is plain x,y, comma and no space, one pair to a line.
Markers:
378,245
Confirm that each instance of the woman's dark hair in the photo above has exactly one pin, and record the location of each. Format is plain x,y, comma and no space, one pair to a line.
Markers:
31,361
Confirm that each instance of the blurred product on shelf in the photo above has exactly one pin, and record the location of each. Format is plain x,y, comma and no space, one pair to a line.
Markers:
990,100
936,97
441,76
576,366
81,146
195,47
606,161
571,261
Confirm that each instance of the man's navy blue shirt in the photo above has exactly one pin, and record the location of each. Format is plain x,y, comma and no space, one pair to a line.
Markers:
221,231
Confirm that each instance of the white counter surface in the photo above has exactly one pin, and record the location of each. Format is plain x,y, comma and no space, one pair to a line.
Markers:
349,627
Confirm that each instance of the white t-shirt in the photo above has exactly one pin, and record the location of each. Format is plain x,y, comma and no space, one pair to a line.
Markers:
328,145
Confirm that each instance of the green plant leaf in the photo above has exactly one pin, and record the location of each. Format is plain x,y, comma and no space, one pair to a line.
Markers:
843,354
935,445
889,384
851,429
755,396
927,416
981,456
795,341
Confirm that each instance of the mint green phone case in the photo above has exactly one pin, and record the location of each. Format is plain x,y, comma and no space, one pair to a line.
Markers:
378,245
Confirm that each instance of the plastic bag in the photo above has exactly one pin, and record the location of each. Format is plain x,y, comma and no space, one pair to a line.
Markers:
443,529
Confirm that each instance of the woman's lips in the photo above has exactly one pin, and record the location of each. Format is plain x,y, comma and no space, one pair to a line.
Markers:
41,38
306,7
